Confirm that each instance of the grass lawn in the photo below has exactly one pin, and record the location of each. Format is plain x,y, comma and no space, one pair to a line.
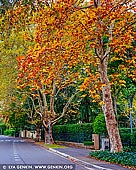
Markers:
50,145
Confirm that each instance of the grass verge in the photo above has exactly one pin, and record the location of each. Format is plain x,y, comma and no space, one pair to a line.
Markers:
53,146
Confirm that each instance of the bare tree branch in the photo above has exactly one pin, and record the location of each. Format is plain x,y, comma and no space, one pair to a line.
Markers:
44,97
35,106
52,99
65,108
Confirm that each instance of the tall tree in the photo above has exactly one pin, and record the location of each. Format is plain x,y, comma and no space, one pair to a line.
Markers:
49,65
12,44
112,21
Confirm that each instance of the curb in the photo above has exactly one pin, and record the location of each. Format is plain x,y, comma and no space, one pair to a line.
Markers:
81,162
78,160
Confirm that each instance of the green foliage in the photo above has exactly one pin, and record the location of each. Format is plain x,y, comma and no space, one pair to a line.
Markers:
99,125
72,114
2,127
73,132
88,143
88,109
129,149
4,5
123,158
128,157
9,132
85,110
127,138
126,130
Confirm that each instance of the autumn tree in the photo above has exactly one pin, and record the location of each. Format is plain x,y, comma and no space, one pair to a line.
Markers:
108,28
46,31
50,64
12,44
7,64
110,25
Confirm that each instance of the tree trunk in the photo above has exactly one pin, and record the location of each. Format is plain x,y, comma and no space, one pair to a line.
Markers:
48,134
37,133
111,123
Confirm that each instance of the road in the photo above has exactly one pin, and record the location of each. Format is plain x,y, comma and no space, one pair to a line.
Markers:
20,154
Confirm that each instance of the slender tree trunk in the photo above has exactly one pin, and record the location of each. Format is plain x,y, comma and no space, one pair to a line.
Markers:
37,133
48,135
111,123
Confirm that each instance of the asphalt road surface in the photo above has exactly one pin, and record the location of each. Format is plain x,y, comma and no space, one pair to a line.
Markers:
20,154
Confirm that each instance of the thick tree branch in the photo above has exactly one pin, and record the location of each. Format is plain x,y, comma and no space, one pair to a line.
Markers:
44,124
65,108
40,101
108,50
35,106
44,98
52,99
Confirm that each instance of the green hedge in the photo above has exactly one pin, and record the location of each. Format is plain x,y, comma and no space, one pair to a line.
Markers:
73,132
127,138
9,132
88,143
126,130
83,132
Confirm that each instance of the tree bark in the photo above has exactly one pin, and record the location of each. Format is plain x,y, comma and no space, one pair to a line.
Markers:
48,134
111,123
37,133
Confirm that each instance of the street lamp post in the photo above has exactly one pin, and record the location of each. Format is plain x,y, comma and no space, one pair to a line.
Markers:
131,119
131,123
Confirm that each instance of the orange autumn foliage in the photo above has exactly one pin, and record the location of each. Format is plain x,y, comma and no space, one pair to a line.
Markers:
70,35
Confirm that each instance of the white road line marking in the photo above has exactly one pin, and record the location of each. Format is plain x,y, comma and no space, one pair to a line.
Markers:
17,157
78,160
16,160
7,140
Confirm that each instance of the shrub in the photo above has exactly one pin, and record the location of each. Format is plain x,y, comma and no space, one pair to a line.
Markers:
123,158
73,132
88,143
126,130
127,138
9,132
2,127
129,149
99,125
